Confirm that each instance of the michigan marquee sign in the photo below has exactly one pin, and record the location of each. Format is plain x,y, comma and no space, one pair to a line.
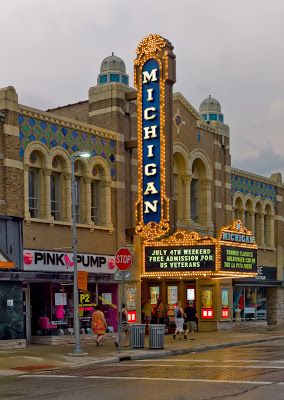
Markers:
188,254
154,78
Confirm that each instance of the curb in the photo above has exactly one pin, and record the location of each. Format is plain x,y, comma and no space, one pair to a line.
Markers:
198,349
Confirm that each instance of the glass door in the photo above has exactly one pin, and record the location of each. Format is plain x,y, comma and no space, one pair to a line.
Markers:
27,313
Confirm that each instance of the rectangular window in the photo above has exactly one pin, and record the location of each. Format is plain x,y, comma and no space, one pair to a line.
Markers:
125,79
213,117
114,77
95,201
78,198
193,200
103,79
34,193
55,196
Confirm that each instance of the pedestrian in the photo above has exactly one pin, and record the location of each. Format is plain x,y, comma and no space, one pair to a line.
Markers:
124,330
99,325
241,305
159,311
191,320
147,311
179,320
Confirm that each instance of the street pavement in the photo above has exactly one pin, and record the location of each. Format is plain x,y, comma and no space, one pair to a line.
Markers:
38,358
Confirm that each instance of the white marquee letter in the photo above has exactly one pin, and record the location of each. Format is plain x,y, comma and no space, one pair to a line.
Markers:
150,206
147,111
150,132
150,76
150,150
150,189
150,94
150,169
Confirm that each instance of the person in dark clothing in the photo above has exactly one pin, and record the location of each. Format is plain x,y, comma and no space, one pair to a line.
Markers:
191,320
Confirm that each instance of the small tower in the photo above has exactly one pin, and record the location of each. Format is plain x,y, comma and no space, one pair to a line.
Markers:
113,71
210,110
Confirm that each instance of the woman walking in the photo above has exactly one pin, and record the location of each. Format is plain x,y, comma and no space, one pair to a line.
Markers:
99,325
179,320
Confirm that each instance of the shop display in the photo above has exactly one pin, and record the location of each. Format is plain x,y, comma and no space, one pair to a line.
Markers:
130,294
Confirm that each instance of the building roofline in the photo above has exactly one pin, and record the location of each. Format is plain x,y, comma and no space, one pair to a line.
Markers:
260,178
67,105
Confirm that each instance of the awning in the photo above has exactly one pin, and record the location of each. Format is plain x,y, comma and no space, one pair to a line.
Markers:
256,282
30,277
5,262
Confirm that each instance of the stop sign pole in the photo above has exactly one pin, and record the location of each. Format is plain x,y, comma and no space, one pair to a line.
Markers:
123,261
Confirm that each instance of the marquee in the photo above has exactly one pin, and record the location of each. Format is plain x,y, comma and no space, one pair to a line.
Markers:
154,76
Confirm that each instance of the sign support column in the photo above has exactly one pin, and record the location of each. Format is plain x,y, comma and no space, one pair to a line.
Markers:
123,261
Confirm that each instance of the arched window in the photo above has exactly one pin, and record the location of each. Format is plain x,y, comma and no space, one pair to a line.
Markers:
100,196
249,216
55,196
34,191
239,209
194,204
268,226
36,185
80,192
96,193
258,224
200,193
59,188
180,187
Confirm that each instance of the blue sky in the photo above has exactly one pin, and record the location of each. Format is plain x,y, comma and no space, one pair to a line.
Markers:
232,49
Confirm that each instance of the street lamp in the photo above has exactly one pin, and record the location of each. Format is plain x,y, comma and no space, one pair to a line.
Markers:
77,350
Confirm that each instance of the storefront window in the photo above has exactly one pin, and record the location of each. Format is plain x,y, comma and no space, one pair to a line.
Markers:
172,294
207,303
249,303
190,294
207,298
225,298
130,295
154,294
52,307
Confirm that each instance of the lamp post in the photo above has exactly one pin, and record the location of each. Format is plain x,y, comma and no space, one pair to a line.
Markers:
77,350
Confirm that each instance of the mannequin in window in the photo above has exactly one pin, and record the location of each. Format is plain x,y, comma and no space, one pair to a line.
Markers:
60,313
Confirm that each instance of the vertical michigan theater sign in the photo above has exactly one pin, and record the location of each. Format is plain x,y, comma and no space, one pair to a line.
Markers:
154,78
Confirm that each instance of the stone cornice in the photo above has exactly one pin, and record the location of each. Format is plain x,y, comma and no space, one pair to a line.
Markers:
68,122
186,104
259,178
199,122
206,127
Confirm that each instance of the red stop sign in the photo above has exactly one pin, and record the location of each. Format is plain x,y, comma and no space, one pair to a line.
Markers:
123,259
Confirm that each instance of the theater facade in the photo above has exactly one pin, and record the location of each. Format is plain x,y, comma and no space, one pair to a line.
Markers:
181,259
160,181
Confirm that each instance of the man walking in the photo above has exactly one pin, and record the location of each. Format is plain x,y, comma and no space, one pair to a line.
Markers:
191,320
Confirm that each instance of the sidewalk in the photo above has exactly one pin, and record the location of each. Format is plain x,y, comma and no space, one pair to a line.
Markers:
35,358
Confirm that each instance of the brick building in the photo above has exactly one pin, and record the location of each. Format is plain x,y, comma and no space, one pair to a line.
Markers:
35,205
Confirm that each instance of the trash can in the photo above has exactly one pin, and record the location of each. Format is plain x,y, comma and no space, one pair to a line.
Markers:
137,336
156,336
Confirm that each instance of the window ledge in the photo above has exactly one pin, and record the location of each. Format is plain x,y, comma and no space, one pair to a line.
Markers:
52,222
269,248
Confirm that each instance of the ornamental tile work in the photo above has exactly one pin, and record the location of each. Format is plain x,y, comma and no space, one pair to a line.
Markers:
52,135
254,187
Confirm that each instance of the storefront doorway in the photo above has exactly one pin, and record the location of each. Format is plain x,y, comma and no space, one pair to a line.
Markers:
27,313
